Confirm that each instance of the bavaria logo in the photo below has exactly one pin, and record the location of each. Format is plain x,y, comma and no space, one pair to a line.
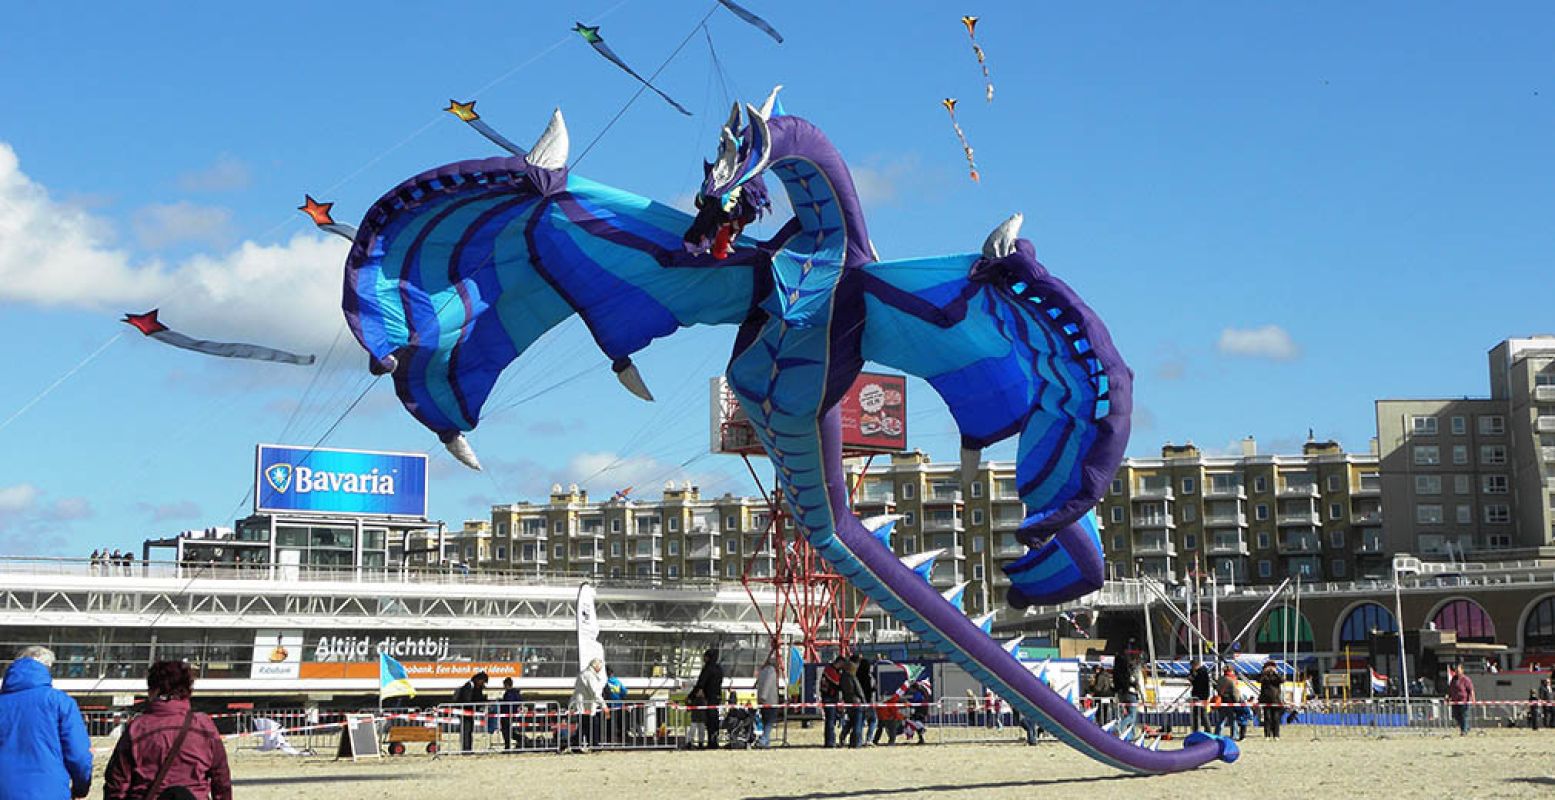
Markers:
279,476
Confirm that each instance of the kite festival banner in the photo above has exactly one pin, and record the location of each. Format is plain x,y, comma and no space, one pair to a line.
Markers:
340,481
589,647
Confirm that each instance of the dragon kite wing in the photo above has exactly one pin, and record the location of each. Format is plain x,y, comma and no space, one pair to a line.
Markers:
457,271
1013,350
152,327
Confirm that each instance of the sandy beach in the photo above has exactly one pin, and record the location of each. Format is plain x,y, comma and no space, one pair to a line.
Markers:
1494,763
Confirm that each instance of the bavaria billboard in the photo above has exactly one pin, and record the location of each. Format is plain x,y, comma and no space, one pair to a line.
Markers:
340,481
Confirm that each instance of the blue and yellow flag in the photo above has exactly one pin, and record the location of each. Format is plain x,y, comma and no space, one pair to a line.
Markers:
392,680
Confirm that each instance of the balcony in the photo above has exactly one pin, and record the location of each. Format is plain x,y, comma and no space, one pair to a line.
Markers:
591,532
942,525
704,553
1369,546
1544,394
1010,523
945,577
1227,546
1154,546
1237,520
637,555
1297,490
1237,492
1154,493
1302,518
1010,551
1154,521
1367,518
1544,424
595,557
999,578
1547,453
1299,545
940,497
531,534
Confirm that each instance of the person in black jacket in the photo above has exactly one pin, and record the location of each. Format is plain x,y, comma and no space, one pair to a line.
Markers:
511,698
473,691
852,697
1199,682
709,686
1126,688
1270,699
866,683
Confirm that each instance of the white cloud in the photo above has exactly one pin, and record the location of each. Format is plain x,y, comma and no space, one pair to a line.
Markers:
164,512
57,254
31,526
162,224
882,183
225,174
1269,342
17,498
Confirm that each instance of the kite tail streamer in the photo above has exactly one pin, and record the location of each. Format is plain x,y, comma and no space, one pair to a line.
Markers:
591,35
966,148
977,50
761,24
152,327
466,114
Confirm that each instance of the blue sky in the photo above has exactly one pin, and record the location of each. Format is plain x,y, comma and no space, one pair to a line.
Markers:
1283,211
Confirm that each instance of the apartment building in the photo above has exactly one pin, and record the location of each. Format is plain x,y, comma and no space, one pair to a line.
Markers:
1249,518
1475,477
680,535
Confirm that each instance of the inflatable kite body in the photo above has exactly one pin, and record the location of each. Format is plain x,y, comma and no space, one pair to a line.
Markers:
456,271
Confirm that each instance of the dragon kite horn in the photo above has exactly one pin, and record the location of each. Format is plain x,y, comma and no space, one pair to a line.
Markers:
550,150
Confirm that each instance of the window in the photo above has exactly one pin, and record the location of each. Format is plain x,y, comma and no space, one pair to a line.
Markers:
615,549
1498,514
1189,485
907,490
1337,566
1460,484
1492,454
909,519
1428,484
1427,455
615,525
977,544
559,552
1460,454
731,569
1543,379
1117,513
502,529
672,570
732,546
1492,426
1261,511
731,523
1117,486
1265,569
615,572
1499,540
977,488
559,527
674,547
1494,484
1428,514
977,572
1465,515
1335,483
1260,484
1336,510
1117,543
1263,540
1423,426
1460,426
502,553
1336,540
1190,541
1189,513
911,545
977,515
674,524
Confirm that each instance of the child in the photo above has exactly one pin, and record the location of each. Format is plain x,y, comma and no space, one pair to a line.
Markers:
696,732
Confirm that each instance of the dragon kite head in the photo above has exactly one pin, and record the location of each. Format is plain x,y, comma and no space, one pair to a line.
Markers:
733,193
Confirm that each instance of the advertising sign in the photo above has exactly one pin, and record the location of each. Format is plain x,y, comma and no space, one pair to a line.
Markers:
414,670
874,417
277,654
340,481
874,414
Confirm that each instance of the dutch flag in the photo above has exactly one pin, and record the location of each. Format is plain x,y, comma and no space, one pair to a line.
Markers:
1379,683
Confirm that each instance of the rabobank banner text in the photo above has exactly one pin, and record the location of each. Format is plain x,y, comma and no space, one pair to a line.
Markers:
340,481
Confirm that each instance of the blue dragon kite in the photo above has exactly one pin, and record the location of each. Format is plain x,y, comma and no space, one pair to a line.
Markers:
453,273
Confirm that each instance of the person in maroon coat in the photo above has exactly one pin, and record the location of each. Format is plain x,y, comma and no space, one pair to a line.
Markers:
149,745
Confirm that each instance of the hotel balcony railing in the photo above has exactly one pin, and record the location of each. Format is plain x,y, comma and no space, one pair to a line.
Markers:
1304,518
1155,521
1238,492
1544,394
942,497
1298,490
1154,493
1155,547
1225,520
1227,546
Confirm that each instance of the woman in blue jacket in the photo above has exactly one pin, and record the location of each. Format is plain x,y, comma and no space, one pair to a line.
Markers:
44,750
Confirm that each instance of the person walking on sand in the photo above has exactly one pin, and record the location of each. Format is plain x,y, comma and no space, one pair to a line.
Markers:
767,699
1271,700
473,691
866,682
709,685
170,750
852,697
1199,691
44,750
1460,693
831,693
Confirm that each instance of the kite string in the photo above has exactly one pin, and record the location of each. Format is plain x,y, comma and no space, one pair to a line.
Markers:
671,57
55,385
